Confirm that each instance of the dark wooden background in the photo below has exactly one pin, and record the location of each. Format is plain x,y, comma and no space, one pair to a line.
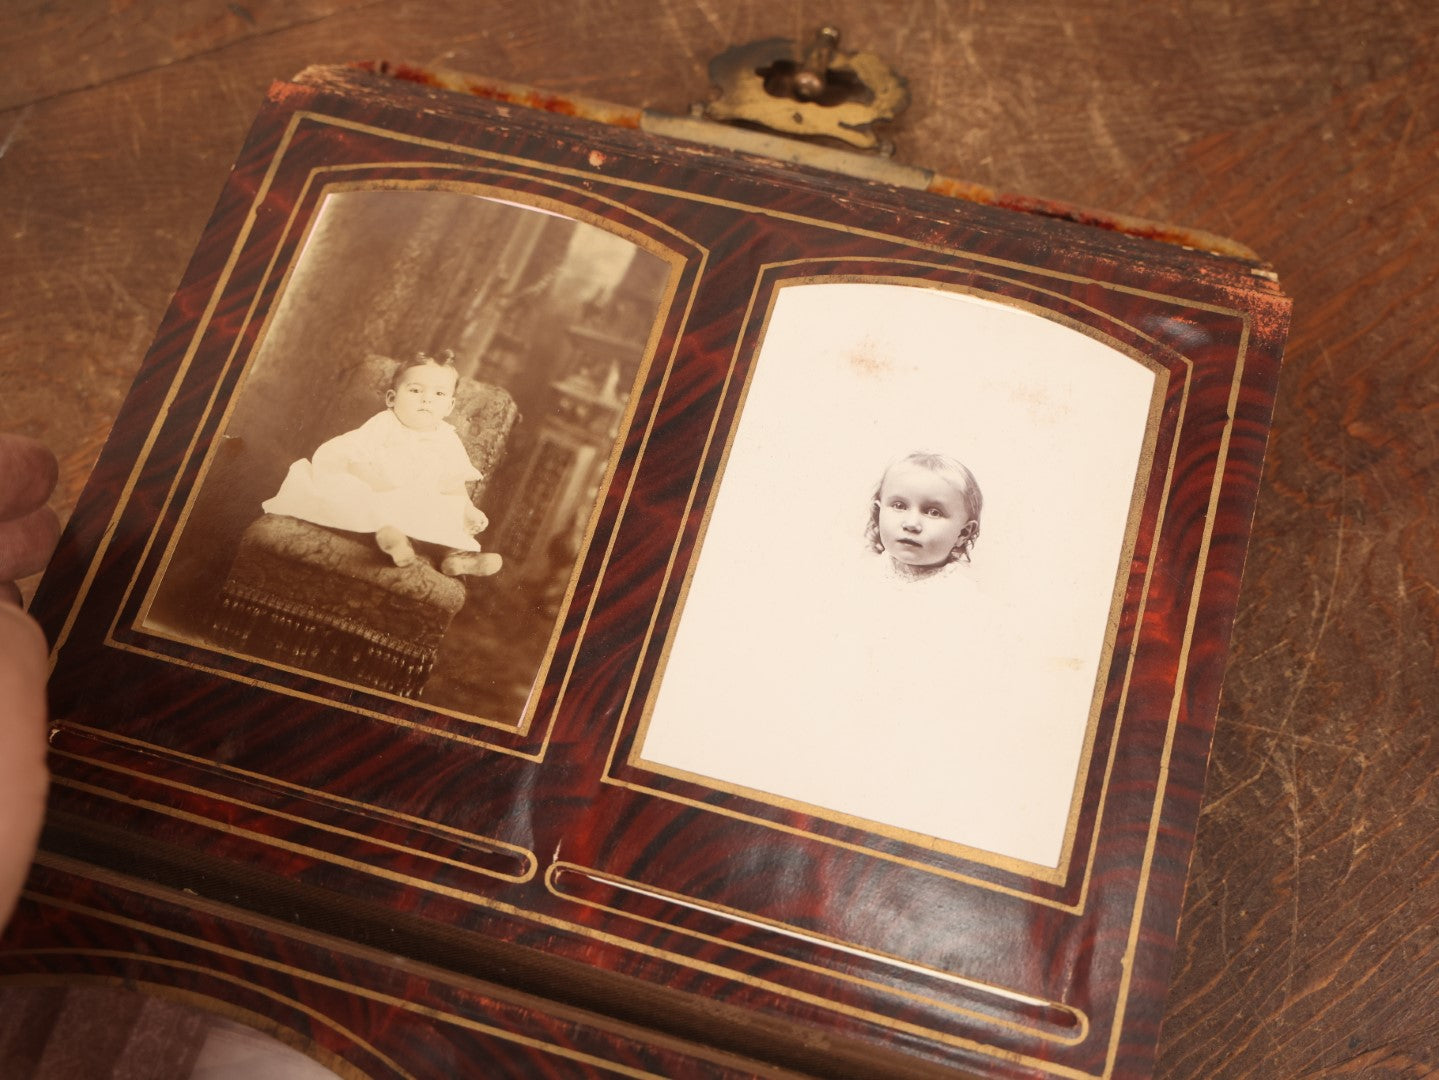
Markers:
1307,130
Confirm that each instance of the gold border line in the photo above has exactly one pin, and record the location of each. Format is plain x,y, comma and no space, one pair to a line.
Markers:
583,931
285,845
491,192
524,857
349,989
311,794
531,166
1144,467
734,915
1139,489
780,215
1220,465
1162,783
684,515
678,264
413,725
209,406
261,192
1192,305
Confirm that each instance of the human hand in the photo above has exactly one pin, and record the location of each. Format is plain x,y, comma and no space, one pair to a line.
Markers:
28,530
476,521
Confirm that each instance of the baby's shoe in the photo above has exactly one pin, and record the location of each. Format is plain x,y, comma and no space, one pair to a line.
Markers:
471,563
396,545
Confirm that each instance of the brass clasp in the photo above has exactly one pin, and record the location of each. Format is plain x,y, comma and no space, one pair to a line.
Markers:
816,91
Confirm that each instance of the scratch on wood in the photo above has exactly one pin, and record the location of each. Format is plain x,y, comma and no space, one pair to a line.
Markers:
14,131
1324,599
1291,785
1307,742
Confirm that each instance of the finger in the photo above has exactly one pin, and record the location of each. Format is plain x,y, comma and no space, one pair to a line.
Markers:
26,543
28,471
23,777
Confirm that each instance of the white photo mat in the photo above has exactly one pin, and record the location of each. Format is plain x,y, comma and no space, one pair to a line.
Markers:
958,711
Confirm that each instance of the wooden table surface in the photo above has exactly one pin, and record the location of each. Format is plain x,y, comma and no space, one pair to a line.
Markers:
1309,131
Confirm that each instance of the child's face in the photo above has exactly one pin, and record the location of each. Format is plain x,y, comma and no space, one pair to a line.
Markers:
424,397
921,515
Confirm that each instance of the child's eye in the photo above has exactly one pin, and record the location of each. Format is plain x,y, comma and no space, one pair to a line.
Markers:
934,511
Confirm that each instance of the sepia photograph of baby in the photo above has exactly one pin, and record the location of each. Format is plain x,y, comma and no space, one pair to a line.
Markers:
403,481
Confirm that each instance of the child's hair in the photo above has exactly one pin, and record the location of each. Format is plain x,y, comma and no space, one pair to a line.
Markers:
951,469
446,359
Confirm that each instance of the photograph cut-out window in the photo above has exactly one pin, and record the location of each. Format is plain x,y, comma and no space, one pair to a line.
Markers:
409,469
910,566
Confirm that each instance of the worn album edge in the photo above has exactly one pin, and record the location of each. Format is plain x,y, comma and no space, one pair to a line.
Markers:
793,151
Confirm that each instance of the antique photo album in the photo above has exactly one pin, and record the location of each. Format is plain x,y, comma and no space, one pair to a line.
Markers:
758,610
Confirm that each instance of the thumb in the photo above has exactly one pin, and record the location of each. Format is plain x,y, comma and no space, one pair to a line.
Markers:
23,775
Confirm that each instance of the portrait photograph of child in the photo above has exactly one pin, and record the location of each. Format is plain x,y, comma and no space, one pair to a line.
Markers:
924,520
410,463
910,565
400,476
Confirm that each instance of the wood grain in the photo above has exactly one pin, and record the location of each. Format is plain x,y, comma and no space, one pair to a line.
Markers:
52,48
1308,132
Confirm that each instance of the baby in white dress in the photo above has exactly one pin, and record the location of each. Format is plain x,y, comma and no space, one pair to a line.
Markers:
400,476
